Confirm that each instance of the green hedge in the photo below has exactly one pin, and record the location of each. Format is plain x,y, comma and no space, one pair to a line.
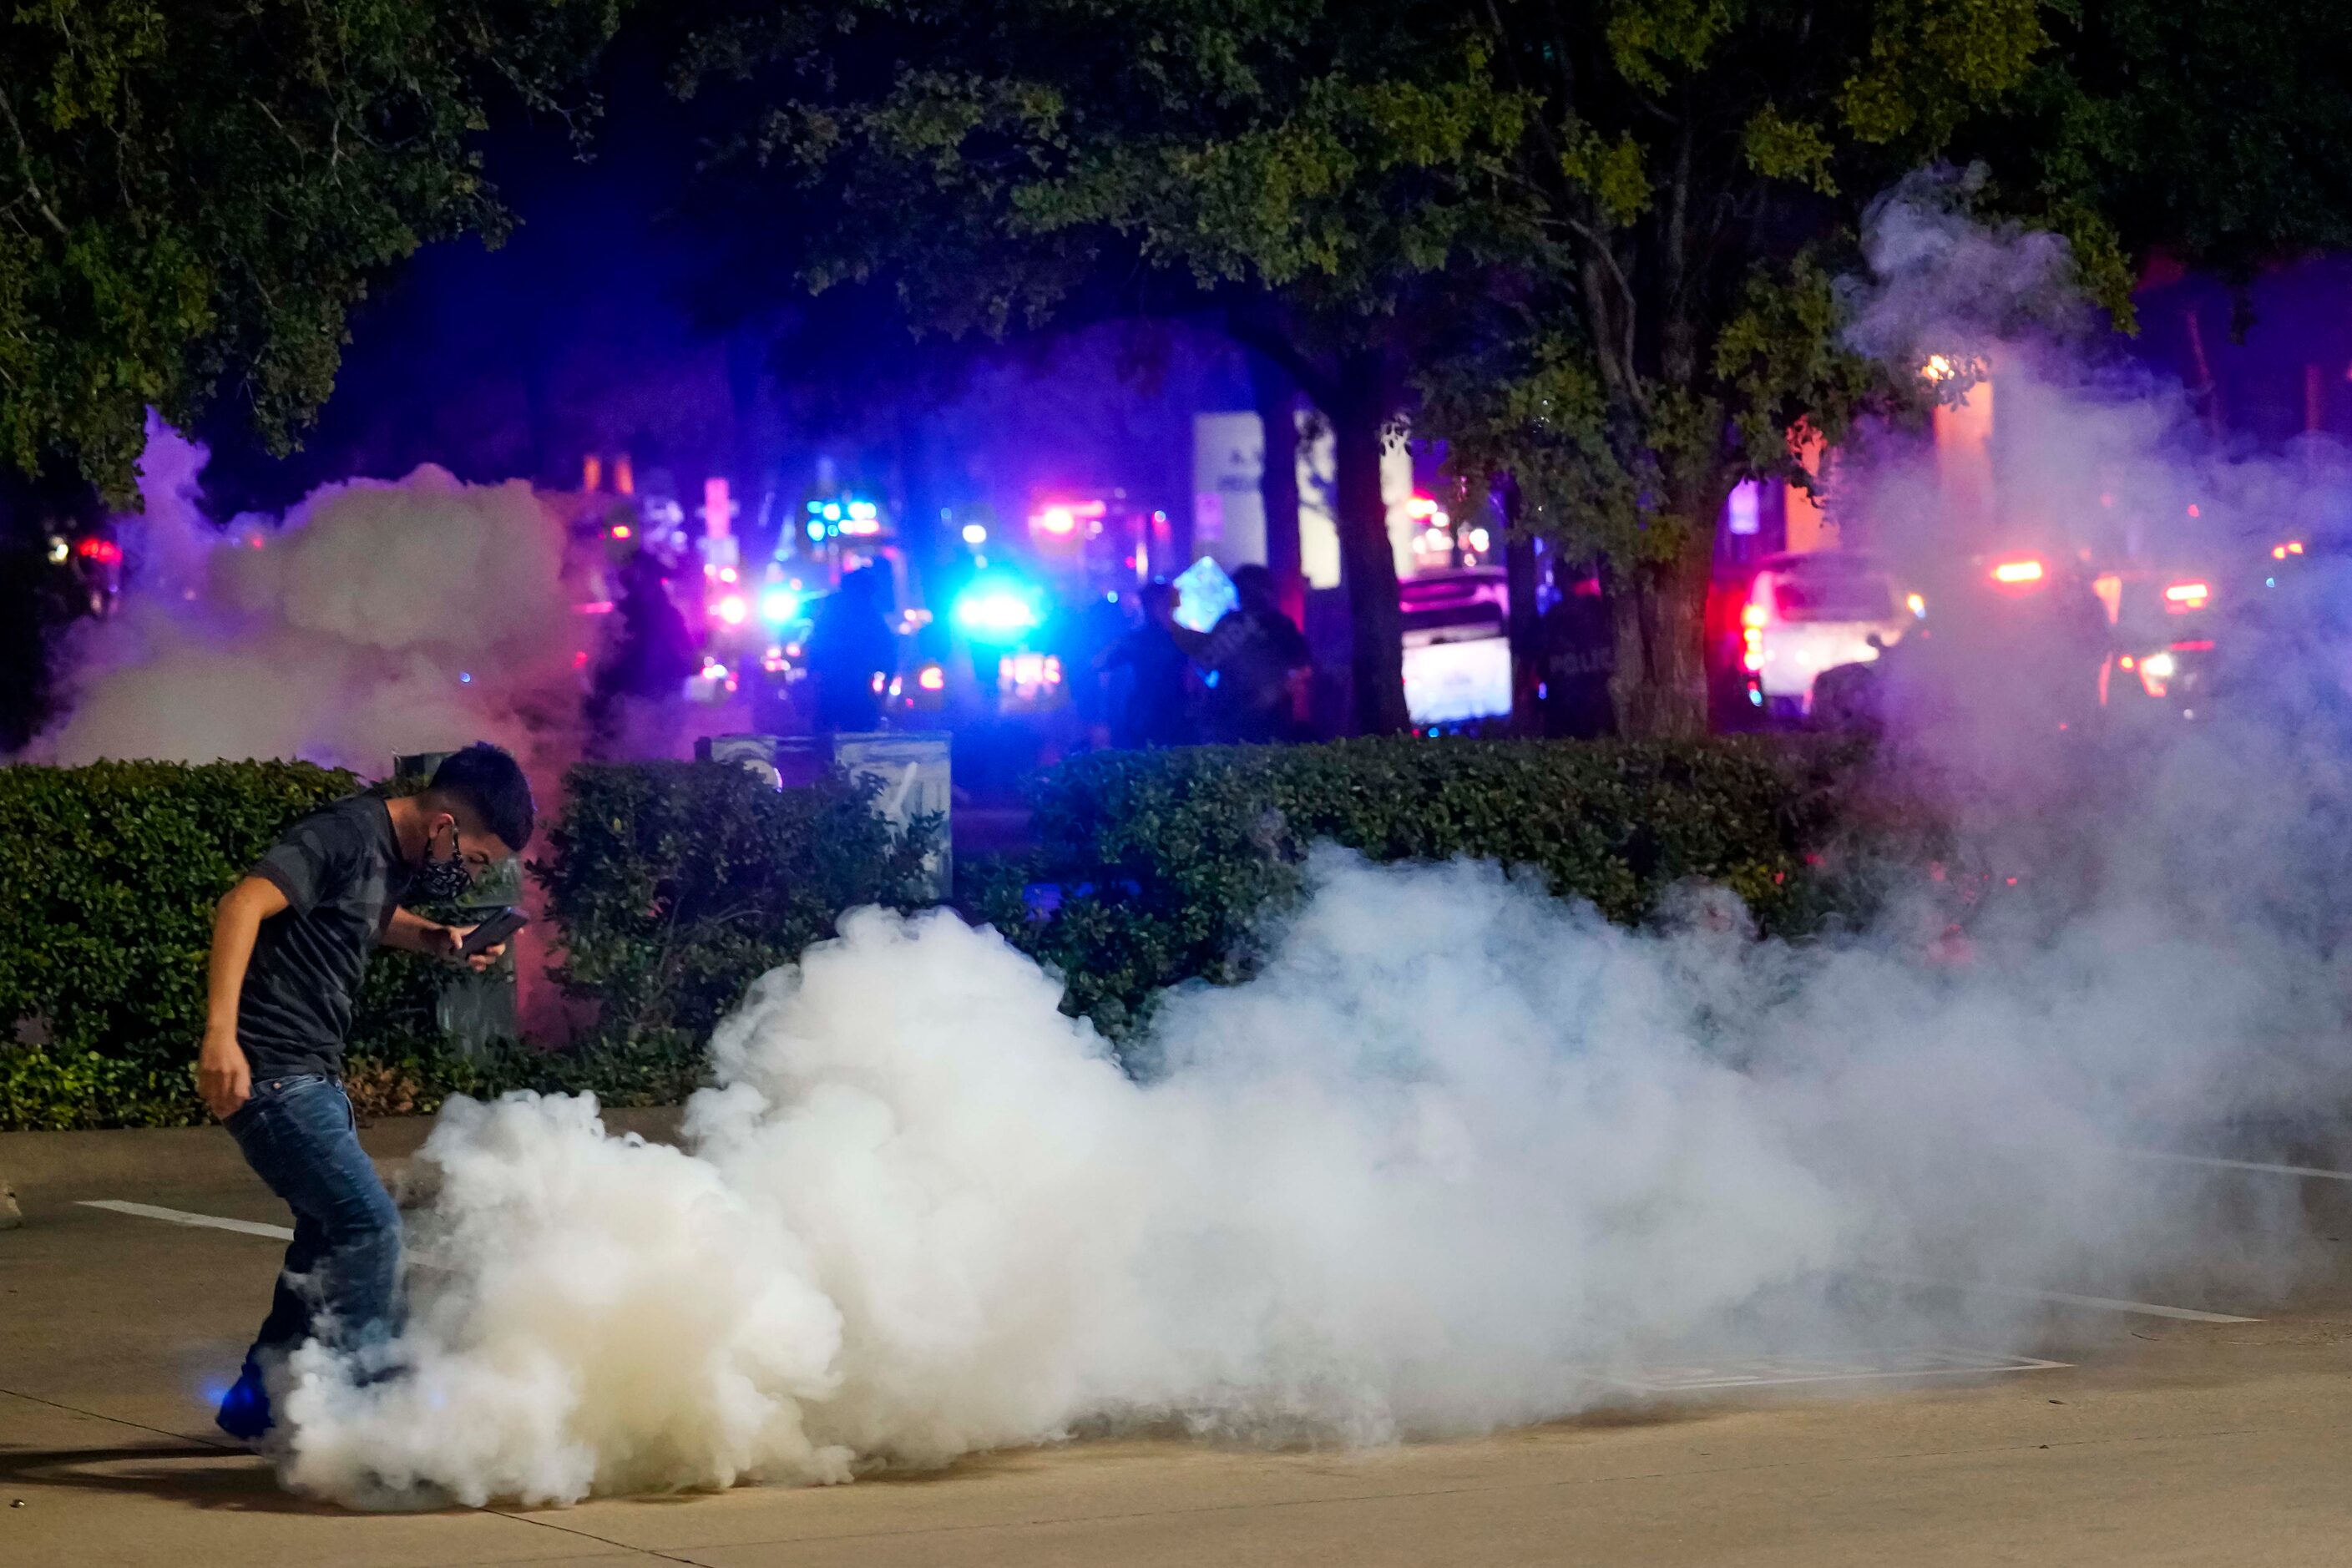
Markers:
109,875
1160,863
676,885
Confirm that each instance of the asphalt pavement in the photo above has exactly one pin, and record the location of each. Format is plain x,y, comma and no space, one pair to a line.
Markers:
2127,1435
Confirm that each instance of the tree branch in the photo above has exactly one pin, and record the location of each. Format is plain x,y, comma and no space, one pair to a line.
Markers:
1518,79
25,161
1596,248
1679,356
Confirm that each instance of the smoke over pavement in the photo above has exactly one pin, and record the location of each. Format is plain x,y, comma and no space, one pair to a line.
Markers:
926,1214
1461,1156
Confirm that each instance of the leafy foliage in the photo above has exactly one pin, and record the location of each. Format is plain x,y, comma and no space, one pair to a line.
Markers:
677,885
1165,862
192,195
1675,325
418,1080
1588,247
2211,128
674,886
1595,240
991,158
109,876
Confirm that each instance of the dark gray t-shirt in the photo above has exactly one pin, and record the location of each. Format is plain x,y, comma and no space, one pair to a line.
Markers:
341,871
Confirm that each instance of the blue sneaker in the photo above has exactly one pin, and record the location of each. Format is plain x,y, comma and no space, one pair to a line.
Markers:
245,1413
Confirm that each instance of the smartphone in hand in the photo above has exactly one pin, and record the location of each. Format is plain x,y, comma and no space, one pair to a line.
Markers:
495,928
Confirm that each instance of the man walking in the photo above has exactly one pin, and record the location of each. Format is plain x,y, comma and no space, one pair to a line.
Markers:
852,654
291,943
1156,709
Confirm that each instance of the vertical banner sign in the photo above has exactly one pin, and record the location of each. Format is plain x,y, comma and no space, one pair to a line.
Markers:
1228,503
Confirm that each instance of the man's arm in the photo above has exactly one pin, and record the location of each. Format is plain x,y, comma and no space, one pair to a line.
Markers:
224,1078
413,933
1196,645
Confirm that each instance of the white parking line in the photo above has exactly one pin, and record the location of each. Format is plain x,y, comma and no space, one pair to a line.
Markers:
2320,1171
180,1217
1791,1371
2104,1303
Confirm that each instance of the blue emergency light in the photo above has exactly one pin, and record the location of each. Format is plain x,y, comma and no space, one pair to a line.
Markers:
999,608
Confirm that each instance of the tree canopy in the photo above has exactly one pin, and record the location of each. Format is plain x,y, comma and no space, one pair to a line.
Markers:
2213,128
1591,248
195,193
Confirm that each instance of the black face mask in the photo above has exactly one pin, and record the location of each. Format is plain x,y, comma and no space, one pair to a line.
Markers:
438,882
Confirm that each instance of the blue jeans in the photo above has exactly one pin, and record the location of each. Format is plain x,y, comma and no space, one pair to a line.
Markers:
340,1282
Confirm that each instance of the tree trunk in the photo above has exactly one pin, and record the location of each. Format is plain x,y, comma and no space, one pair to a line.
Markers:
1367,560
1277,411
1660,684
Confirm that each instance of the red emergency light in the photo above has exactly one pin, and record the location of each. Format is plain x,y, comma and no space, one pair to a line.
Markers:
1061,518
1753,618
105,552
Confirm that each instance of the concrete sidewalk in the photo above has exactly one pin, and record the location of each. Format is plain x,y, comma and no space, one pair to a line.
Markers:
2166,1441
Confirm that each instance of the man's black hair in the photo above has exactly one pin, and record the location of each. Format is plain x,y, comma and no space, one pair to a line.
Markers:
490,783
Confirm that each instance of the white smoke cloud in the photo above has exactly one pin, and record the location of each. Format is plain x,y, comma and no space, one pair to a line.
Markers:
1454,1156
1940,279
1461,1156
380,618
